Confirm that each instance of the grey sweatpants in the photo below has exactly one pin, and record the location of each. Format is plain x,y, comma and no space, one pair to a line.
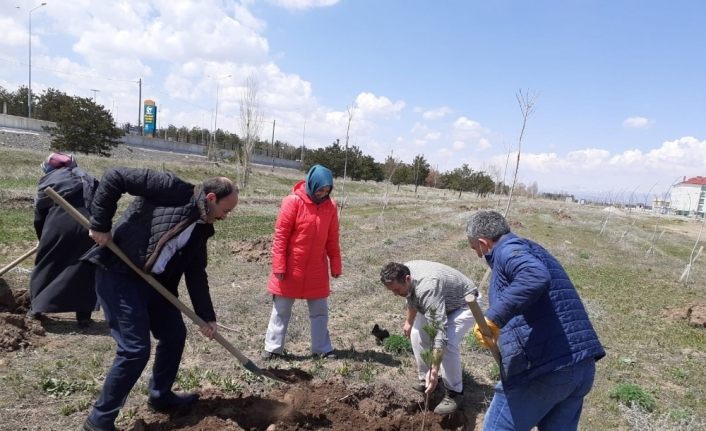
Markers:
279,320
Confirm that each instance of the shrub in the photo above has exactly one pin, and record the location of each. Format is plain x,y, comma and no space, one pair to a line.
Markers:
632,394
397,344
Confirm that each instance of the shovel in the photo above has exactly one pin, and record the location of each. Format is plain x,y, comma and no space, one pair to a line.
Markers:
15,262
472,302
244,361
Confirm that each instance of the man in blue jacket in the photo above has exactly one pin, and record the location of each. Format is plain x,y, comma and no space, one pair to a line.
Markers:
547,343
164,232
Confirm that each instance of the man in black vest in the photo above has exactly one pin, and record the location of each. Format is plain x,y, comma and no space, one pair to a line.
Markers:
164,231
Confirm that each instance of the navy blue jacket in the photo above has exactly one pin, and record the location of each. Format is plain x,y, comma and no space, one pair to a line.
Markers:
544,323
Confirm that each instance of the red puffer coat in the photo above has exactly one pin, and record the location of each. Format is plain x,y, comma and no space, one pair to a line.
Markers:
305,244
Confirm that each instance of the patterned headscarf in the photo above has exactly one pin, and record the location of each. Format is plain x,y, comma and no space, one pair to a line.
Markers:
57,161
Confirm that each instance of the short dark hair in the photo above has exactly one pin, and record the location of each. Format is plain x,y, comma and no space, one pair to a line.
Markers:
393,271
220,186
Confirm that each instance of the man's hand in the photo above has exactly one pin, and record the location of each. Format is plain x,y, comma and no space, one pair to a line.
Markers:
279,276
209,330
335,275
101,238
407,329
484,341
432,379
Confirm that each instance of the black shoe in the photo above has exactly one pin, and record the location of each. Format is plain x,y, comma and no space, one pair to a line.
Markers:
329,355
35,315
84,323
90,426
268,356
172,401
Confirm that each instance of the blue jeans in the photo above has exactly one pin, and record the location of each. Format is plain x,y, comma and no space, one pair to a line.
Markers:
132,309
552,402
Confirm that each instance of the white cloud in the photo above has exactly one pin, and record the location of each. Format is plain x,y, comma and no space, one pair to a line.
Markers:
636,122
303,4
467,129
598,170
483,144
433,136
370,106
435,114
458,145
13,34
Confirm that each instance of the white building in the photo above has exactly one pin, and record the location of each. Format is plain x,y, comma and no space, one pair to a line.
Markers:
687,197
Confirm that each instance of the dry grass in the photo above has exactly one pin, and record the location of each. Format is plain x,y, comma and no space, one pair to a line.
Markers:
624,292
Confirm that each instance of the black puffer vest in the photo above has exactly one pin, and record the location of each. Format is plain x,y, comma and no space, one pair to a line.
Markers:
147,224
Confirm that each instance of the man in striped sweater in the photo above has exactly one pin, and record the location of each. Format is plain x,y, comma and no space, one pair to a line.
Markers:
435,297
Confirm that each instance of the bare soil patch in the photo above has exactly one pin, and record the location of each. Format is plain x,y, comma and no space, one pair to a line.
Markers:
329,404
257,250
694,314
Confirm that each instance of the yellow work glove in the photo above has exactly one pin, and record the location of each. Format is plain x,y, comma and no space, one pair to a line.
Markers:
484,341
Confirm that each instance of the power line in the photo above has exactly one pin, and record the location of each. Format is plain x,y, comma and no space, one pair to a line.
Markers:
68,73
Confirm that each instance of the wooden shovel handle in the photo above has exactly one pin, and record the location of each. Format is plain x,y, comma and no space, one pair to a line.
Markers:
478,315
15,262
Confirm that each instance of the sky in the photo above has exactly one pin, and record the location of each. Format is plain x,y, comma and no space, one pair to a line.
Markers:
619,87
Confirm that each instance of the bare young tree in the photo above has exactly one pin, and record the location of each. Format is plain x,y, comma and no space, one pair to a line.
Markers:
250,125
526,102
350,110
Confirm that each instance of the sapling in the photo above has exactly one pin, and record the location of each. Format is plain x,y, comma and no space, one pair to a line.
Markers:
430,356
687,271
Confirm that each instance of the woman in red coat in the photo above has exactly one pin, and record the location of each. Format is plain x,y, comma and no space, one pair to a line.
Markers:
304,248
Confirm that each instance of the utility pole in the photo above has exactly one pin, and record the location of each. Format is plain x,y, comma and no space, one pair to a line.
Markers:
273,145
29,34
416,175
139,106
301,158
94,94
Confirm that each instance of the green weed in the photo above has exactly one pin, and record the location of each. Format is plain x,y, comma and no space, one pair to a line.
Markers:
189,379
629,394
63,388
397,344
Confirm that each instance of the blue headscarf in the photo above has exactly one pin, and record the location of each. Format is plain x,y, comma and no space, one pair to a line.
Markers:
318,176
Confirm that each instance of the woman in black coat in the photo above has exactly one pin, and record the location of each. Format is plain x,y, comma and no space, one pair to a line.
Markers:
60,282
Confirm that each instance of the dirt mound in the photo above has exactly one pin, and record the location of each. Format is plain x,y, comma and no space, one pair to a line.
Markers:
14,301
694,314
253,251
326,404
16,330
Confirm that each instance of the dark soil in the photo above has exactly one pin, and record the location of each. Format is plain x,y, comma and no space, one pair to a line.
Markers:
16,330
329,404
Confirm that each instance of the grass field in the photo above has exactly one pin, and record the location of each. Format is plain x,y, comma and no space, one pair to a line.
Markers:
628,292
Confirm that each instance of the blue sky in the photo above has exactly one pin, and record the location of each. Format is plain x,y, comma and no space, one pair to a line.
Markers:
620,85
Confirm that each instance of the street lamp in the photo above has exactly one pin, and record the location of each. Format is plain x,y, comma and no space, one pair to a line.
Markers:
29,33
218,83
212,147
